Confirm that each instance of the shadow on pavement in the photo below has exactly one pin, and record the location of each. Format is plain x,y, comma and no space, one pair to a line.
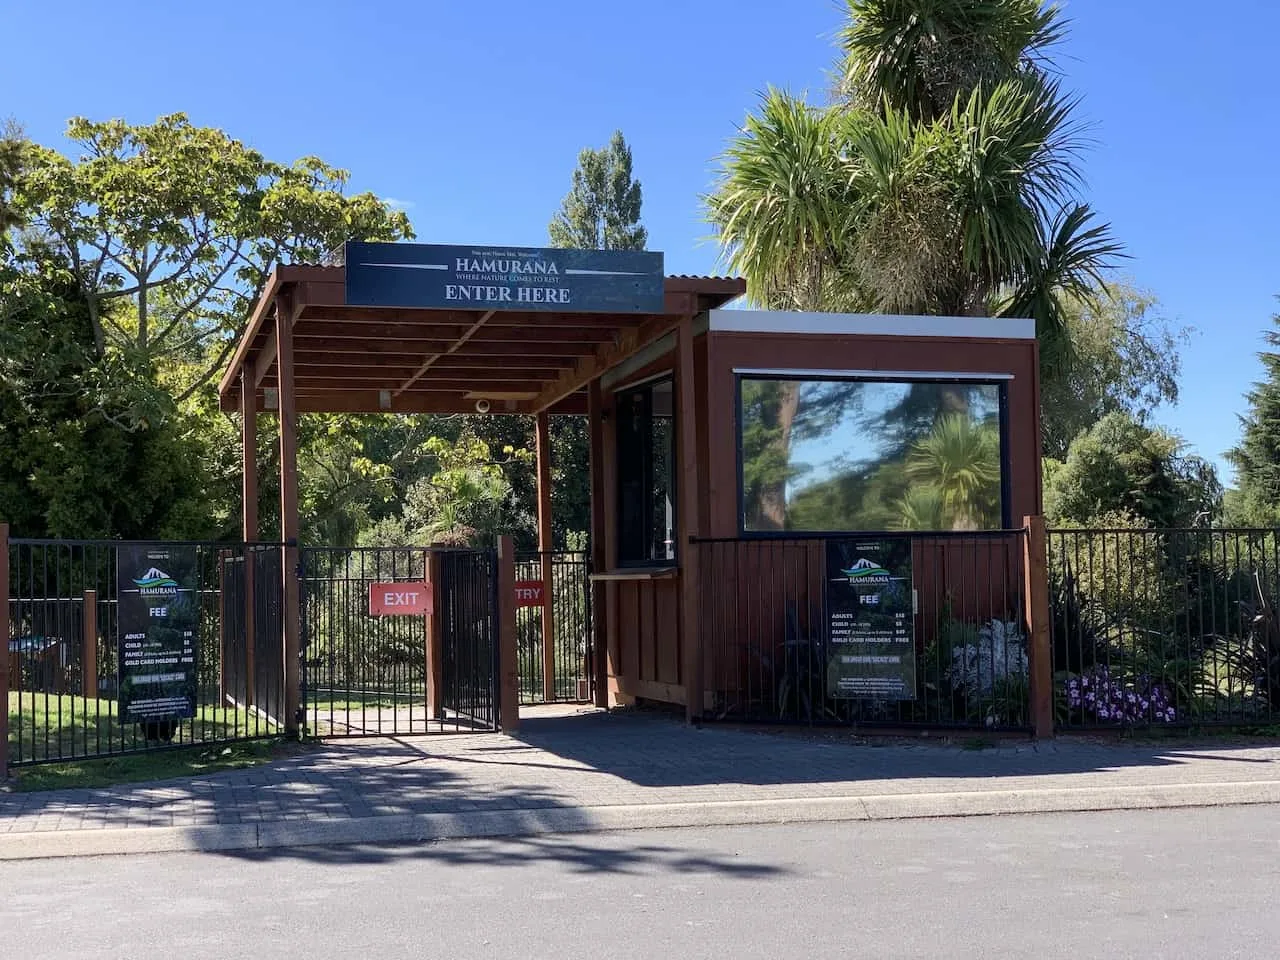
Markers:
577,854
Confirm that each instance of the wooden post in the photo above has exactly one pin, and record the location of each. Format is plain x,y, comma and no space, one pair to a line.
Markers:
508,662
543,446
599,635
4,644
288,419
89,649
1035,572
435,638
688,522
249,441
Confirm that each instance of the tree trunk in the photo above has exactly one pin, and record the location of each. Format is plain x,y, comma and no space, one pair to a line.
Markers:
773,497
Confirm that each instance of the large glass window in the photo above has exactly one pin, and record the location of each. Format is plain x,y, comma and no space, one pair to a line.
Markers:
862,455
646,474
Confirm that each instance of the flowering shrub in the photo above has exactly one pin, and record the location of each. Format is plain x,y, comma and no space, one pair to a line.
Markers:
998,654
1096,693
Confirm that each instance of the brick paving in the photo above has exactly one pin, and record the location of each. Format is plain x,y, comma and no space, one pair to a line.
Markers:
596,759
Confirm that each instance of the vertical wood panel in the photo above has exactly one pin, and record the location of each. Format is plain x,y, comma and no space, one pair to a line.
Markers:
288,511
600,623
667,631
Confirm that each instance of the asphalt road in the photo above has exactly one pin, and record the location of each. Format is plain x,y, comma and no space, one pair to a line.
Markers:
1160,884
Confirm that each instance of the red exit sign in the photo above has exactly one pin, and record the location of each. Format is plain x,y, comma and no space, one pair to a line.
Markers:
529,593
399,599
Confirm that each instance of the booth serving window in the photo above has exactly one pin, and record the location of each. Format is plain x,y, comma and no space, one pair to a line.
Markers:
837,455
646,474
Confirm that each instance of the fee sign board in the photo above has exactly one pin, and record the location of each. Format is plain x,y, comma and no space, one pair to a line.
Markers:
157,624
503,278
870,619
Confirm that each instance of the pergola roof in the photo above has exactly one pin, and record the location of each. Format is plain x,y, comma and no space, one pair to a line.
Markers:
381,360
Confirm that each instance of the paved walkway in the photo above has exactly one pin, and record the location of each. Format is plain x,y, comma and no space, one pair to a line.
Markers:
595,761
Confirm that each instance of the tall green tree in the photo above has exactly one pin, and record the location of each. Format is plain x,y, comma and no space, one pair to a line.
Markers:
1121,466
943,179
170,230
1256,458
1123,357
602,209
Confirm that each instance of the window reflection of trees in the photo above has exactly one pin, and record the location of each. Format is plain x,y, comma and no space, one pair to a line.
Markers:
870,455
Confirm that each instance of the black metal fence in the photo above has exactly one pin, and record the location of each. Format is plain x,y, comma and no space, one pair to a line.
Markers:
368,675
561,671
62,653
1165,627
766,622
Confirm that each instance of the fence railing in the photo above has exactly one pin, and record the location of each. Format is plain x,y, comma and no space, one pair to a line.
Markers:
559,671
1165,627
70,696
816,630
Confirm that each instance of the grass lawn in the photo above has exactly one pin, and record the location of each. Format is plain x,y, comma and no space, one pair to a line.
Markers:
153,765
47,726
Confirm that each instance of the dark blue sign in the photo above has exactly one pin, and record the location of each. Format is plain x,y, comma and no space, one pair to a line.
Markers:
503,278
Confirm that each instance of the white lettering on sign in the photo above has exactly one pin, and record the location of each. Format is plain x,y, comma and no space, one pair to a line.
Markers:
159,611
542,295
400,599
532,267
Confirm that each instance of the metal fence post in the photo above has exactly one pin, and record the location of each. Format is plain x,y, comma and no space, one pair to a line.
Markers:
4,639
435,636
1035,572
508,659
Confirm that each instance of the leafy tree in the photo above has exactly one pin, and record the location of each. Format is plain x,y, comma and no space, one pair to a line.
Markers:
1122,466
1256,499
1123,358
170,230
942,181
602,210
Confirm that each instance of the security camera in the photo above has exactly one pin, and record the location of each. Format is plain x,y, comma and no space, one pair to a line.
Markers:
482,406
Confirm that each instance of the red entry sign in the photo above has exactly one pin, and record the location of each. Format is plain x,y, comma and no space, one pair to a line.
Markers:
399,599
529,593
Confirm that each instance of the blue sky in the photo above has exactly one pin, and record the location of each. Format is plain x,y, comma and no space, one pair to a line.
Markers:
472,115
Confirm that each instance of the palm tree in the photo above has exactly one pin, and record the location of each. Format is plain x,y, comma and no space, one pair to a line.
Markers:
942,182
922,507
960,460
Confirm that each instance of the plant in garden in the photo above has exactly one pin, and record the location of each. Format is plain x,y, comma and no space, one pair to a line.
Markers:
1096,693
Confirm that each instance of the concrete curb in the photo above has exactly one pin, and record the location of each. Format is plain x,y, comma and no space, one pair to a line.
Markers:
550,820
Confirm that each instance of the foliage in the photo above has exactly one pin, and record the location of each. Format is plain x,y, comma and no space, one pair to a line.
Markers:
941,181
602,210
1098,696
1123,358
1122,466
1256,457
169,230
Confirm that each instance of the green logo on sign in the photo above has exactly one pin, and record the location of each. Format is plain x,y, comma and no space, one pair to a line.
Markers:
865,571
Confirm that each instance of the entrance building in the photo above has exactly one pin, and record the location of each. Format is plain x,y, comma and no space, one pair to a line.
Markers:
741,461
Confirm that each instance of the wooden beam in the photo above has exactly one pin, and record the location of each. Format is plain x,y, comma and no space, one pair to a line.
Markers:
289,526
249,458
1035,571
345,384
265,298
542,447
508,678
599,633
611,354
265,361
4,653
687,521
89,645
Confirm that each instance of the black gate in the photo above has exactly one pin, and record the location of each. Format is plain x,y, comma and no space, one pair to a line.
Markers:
251,608
555,666
366,674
